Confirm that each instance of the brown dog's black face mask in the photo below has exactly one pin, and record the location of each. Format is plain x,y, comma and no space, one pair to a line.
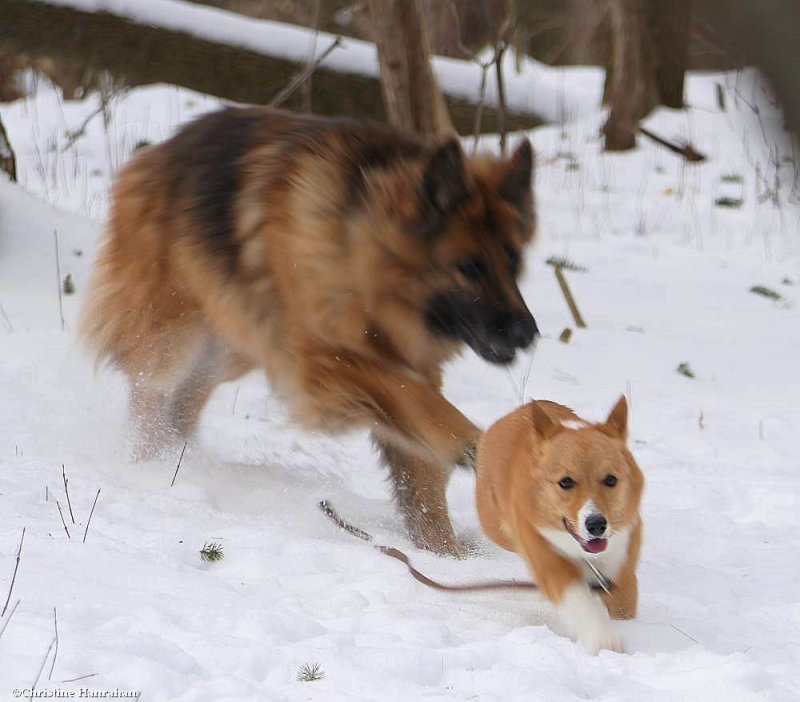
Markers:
481,303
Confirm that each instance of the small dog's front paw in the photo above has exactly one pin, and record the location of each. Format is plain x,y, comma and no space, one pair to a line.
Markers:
587,619
603,639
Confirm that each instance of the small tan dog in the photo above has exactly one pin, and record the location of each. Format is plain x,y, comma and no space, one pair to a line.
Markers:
564,494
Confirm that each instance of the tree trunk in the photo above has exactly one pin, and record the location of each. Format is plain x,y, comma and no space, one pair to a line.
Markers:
8,163
669,29
140,54
631,89
411,93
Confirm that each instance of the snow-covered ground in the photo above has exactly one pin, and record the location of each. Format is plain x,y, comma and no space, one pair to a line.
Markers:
668,281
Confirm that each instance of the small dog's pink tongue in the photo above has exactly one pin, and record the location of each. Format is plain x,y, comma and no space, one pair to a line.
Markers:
595,545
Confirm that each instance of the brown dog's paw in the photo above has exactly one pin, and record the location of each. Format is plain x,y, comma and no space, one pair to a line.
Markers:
469,455
450,549
442,542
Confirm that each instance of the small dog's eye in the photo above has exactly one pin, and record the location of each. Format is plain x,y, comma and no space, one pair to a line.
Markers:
610,480
472,267
566,483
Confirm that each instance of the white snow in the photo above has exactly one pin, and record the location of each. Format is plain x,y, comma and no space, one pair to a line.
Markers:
536,87
668,282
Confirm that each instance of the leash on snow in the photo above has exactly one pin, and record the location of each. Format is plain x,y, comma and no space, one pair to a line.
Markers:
603,583
392,552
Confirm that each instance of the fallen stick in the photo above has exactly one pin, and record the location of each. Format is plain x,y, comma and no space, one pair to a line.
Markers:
573,308
686,149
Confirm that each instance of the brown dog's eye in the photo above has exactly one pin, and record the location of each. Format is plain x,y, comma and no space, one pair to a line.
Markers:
610,480
566,483
472,267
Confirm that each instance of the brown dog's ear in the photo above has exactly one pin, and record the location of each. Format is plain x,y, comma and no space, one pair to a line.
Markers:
617,420
516,187
444,186
543,422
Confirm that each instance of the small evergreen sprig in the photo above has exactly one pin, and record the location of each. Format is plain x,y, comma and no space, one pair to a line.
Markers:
309,672
212,552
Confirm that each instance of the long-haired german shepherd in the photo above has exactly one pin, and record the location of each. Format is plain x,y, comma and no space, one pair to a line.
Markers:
347,260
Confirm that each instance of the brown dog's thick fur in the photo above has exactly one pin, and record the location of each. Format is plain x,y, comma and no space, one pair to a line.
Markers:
345,259
548,485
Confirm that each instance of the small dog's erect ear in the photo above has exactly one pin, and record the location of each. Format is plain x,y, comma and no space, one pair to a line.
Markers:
517,184
444,185
618,419
543,422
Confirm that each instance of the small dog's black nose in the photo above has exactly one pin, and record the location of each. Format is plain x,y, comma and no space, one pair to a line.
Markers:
596,524
523,331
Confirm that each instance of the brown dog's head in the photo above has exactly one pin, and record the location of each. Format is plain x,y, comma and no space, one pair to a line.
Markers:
586,487
457,227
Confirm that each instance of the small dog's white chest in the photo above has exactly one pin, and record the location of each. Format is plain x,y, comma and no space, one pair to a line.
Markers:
609,562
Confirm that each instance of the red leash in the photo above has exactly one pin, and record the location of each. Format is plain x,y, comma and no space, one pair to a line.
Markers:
331,513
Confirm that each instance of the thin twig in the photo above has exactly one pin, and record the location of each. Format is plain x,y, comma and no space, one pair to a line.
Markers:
178,467
81,677
527,376
62,519
303,76
10,614
41,668
105,98
499,51
573,308
6,318
476,129
312,49
55,653
58,281
66,492
89,521
681,631
514,385
235,399
14,577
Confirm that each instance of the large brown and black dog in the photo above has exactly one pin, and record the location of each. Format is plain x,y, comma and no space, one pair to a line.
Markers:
345,259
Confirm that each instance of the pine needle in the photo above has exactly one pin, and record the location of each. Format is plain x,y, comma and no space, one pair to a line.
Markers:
309,672
212,552
764,291
733,203
685,369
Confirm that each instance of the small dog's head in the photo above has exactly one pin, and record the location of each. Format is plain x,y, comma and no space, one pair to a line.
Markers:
457,227
587,486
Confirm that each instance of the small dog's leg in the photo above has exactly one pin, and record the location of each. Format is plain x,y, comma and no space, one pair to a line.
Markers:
586,617
623,598
561,581
420,490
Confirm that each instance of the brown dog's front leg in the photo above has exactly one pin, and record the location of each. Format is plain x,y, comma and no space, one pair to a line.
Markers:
404,410
420,434
420,489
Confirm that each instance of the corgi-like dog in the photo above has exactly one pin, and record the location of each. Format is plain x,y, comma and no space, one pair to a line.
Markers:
564,494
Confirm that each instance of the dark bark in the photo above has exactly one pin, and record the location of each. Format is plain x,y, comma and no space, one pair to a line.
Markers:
8,162
669,29
139,54
631,89
411,93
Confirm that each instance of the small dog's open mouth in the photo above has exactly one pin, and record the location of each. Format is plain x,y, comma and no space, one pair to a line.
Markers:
590,546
